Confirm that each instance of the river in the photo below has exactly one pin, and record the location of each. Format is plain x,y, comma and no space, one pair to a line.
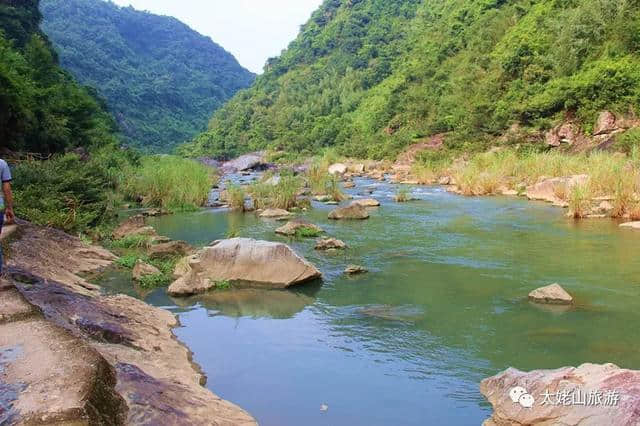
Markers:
443,306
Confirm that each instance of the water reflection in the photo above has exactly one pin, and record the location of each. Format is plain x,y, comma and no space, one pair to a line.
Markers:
254,302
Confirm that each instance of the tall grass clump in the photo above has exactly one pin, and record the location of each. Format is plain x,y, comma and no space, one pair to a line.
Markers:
579,201
402,195
430,165
488,173
283,195
170,182
236,196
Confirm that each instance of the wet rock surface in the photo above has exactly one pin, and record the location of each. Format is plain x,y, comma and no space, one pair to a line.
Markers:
78,357
350,212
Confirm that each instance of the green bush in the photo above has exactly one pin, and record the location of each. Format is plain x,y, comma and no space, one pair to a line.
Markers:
628,141
170,182
63,192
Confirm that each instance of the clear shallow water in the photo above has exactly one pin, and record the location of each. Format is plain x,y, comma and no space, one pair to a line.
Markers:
443,307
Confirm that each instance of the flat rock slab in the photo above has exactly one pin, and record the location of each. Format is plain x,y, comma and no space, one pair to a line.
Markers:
633,225
615,396
154,373
275,213
367,202
60,378
243,261
552,294
14,307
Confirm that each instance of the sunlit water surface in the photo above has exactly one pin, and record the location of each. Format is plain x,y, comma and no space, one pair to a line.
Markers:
444,306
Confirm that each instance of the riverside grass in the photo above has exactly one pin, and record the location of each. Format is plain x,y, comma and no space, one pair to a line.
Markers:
171,182
614,175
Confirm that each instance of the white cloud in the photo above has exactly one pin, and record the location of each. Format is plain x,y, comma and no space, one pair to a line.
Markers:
252,30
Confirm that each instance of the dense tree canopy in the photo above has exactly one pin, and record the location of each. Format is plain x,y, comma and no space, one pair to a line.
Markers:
161,79
370,76
42,109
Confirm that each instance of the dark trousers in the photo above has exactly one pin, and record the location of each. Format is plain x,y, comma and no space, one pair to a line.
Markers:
1,223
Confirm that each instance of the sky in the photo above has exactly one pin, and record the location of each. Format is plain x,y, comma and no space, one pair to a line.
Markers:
252,30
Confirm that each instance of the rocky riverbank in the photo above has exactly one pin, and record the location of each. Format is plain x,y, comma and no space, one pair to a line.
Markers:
71,355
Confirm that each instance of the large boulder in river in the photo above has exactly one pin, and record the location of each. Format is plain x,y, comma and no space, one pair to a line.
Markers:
243,261
352,211
244,162
552,294
611,396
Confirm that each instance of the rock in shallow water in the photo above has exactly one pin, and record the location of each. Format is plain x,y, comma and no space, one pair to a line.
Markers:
142,269
611,395
552,294
274,213
366,202
330,244
351,212
244,261
294,226
355,270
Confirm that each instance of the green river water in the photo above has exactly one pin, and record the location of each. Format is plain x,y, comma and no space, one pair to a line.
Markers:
444,306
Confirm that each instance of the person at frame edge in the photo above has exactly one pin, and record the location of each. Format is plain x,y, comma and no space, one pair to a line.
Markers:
6,200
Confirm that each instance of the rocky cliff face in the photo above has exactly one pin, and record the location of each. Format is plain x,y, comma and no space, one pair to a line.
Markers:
68,353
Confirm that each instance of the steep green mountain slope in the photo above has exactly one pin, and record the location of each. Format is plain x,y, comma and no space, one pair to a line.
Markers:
41,108
371,76
161,79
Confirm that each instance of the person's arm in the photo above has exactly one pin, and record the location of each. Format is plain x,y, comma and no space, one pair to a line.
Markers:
8,201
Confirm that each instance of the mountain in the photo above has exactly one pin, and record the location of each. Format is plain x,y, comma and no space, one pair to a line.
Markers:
372,76
42,109
161,79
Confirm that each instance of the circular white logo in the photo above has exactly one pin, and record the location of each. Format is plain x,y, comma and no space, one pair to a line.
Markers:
519,395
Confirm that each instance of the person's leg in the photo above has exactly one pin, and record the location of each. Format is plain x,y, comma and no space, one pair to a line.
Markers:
1,223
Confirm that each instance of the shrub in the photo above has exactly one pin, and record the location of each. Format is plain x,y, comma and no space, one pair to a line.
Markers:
154,281
63,192
170,182
223,285
307,232
127,261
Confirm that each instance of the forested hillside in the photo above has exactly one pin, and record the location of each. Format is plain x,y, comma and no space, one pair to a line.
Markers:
41,108
161,79
371,76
